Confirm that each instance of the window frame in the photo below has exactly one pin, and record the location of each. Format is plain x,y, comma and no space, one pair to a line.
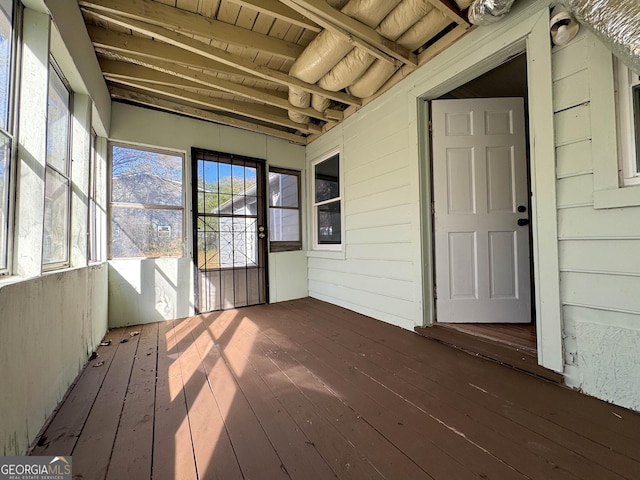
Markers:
56,265
92,216
6,263
331,247
628,124
143,206
280,245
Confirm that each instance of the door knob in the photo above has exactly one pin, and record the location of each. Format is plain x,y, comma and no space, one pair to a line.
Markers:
522,208
523,221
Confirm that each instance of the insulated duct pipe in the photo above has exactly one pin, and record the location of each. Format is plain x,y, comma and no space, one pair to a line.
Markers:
333,62
486,12
616,23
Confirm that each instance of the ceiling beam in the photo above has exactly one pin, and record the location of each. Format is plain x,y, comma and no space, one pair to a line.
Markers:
194,24
147,100
354,31
448,10
278,10
148,70
113,41
223,56
250,110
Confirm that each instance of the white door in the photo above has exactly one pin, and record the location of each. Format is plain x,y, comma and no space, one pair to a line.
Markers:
480,197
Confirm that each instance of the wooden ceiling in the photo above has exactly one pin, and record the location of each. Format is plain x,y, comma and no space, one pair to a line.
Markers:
228,61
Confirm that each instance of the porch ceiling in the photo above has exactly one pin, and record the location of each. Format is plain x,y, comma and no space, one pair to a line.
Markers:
228,61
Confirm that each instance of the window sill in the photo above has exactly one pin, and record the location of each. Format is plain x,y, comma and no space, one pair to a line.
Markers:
330,254
13,279
628,196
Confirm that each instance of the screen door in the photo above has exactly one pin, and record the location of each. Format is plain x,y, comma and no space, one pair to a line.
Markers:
229,230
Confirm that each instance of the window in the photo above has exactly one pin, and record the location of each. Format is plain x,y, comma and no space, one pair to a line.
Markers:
284,210
55,249
326,203
92,244
146,205
628,103
7,49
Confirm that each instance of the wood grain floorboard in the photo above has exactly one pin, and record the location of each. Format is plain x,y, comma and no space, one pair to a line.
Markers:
432,395
134,440
214,454
253,450
306,390
68,420
613,428
301,458
173,455
549,401
345,459
434,405
92,453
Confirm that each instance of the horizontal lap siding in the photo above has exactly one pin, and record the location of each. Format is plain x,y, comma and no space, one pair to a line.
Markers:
380,272
599,266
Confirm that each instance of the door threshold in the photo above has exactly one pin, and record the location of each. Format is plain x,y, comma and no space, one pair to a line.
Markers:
517,356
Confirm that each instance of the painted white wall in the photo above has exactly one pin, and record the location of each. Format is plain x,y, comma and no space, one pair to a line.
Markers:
598,244
48,327
131,299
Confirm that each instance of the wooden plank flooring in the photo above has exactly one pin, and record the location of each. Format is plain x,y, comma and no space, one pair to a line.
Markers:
509,347
523,336
308,390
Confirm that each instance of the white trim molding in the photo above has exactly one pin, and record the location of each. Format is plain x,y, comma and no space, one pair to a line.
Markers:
484,48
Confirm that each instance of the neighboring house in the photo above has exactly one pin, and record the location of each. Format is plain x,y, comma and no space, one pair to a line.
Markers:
142,232
242,250
385,242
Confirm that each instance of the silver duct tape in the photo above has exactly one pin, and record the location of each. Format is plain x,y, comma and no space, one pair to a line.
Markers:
486,12
616,23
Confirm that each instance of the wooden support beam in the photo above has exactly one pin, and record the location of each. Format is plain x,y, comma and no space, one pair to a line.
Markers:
147,100
190,23
447,8
336,115
167,73
255,111
278,10
223,56
433,50
123,43
356,32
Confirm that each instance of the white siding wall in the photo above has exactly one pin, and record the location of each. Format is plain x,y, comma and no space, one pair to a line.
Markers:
378,273
598,248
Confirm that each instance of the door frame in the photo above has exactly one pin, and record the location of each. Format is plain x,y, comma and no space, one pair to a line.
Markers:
261,181
525,29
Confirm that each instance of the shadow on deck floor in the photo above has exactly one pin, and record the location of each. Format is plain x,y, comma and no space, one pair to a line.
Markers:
307,390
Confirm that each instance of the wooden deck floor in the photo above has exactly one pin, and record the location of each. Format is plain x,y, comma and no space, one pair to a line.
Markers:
307,390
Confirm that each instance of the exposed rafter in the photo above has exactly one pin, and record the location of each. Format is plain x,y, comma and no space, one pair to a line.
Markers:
228,61
358,33
449,10
108,40
145,99
280,11
255,111
222,56
150,70
185,22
